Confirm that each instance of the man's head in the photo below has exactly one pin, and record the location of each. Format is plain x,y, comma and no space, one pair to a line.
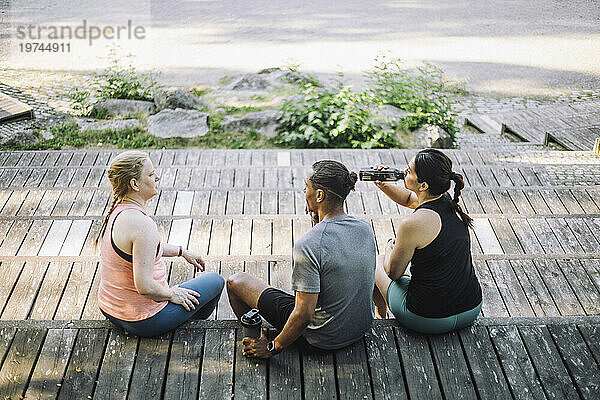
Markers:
327,186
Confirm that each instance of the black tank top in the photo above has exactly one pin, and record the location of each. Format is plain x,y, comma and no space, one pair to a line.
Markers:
443,281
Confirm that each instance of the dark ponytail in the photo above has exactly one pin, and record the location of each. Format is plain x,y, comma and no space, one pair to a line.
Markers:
334,177
459,184
435,168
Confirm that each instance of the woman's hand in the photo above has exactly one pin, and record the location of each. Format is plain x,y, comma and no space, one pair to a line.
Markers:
379,167
194,259
187,298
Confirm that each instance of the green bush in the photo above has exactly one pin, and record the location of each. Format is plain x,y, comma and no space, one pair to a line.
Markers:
119,81
423,93
331,118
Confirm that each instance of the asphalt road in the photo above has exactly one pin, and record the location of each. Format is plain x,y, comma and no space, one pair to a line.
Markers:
534,47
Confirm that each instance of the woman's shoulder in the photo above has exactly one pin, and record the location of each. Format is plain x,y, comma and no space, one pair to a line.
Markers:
135,219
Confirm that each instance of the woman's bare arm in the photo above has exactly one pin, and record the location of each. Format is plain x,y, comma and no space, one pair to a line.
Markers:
398,194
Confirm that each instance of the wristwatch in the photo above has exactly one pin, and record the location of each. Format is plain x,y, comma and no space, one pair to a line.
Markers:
271,348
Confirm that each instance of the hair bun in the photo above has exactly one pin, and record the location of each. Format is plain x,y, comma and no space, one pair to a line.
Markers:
353,178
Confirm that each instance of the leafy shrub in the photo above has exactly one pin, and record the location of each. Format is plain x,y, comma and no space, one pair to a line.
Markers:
119,81
328,117
80,103
423,93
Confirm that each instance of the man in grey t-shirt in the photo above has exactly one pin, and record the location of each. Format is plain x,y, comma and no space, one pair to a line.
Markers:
333,275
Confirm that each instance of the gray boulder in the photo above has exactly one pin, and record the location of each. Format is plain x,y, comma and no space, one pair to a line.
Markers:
264,122
87,124
177,98
266,80
432,136
121,107
18,137
178,123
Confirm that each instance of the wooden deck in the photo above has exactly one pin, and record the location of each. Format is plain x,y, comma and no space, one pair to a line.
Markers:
535,243
573,126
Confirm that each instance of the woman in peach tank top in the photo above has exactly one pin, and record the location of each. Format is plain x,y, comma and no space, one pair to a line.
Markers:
133,292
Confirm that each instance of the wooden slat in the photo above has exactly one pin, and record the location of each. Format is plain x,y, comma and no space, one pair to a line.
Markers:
318,376
47,376
284,374
184,364
51,290
150,366
538,296
486,370
559,288
250,374
547,362
387,379
19,362
493,304
217,364
19,303
352,375
516,364
514,297
117,364
580,363
421,379
76,290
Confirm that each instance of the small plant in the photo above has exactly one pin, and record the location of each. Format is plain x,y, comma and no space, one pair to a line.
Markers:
80,101
423,93
335,117
122,81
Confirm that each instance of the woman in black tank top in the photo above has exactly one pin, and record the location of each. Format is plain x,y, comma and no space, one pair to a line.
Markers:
443,293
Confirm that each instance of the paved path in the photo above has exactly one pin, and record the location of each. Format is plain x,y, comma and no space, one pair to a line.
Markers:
531,48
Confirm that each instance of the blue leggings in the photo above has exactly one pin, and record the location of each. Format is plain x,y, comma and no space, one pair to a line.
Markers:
396,300
209,285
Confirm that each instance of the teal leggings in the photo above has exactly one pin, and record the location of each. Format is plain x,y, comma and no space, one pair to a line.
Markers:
396,299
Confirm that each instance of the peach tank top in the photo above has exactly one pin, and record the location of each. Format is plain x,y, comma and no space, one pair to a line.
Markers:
117,294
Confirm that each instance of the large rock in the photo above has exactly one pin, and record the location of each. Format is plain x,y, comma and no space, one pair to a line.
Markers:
18,137
86,124
432,136
264,122
121,107
177,98
178,123
266,80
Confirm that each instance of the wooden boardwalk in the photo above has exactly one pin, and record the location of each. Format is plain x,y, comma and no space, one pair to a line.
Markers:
536,247
573,126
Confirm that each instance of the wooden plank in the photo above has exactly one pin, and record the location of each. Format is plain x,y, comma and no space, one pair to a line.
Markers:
485,367
51,290
592,267
518,369
282,236
488,202
506,236
421,379
452,369
515,298
200,236
55,238
318,376
91,309
166,202
250,374
585,236
559,288
591,334
527,237
384,364
200,203
184,364
218,203
585,201
47,376
493,306
286,202
217,364
75,238
235,203
261,237
117,364
220,237
471,202
352,376
14,237
13,204
19,304
81,202
539,297
285,374
281,275
252,203
547,362
19,361
486,237
584,371
584,288
31,202
505,202
76,291
545,236
228,268
568,240
150,366
268,202
240,237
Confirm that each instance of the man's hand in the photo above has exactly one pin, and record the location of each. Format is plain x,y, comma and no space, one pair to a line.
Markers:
194,259
256,348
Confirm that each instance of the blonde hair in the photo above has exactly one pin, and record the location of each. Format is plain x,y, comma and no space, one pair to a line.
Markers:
123,168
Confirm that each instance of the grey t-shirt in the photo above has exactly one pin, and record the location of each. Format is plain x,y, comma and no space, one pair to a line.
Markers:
336,259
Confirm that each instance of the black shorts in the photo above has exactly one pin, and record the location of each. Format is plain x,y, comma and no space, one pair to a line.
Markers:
275,307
